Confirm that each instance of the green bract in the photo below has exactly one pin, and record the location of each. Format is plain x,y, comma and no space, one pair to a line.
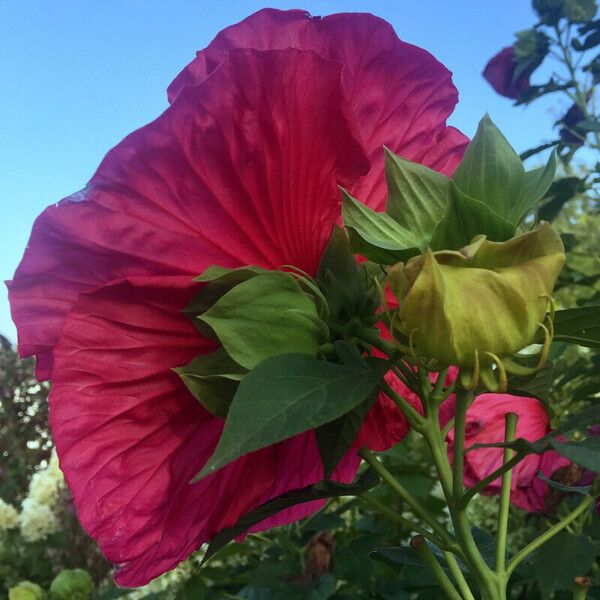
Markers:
266,315
72,584
489,297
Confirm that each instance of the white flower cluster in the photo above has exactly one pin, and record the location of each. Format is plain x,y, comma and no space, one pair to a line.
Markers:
36,520
45,485
9,517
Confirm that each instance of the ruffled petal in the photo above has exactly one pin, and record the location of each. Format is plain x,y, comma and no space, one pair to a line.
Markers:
130,436
242,169
399,93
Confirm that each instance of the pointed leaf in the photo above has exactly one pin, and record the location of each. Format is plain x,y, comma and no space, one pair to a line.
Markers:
264,316
286,395
537,385
213,380
578,326
417,196
537,182
585,453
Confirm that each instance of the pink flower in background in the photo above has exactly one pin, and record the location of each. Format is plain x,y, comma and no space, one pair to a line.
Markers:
241,169
485,425
500,71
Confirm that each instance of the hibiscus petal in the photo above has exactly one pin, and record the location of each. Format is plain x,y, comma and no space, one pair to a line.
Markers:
399,93
130,436
242,169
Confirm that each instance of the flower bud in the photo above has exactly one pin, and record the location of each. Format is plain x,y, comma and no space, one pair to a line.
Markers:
72,584
26,590
488,298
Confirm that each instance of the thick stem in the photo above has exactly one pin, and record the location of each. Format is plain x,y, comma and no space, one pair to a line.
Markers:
509,435
412,416
424,553
532,546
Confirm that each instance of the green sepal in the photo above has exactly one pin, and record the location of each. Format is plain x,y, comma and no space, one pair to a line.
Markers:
266,315
376,235
465,219
492,172
213,380
286,395
218,281
417,197
348,286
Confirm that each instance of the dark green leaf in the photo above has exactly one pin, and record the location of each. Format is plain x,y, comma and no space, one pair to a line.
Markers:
578,326
396,555
533,151
417,196
319,491
334,439
560,560
587,417
265,316
286,395
348,287
466,218
591,41
565,489
537,385
585,453
213,380
376,235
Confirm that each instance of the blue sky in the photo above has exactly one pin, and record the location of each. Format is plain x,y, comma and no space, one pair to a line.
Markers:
77,76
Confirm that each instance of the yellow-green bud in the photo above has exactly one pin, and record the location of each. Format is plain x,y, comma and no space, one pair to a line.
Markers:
72,584
488,297
26,590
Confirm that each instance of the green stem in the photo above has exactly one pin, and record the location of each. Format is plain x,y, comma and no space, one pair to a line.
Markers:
406,496
394,516
535,544
424,553
510,432
412,415
463,401
461,582
481,485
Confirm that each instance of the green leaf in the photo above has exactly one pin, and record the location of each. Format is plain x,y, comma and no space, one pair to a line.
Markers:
417,196
265,316
213,380
584,490
319,491
396,555
537,385
589,416
348,287
585,453
334,439
286,395
578,326
376,235
466,218
560,560
580,11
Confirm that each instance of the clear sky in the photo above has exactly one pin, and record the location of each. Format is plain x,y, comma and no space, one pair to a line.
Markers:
76,76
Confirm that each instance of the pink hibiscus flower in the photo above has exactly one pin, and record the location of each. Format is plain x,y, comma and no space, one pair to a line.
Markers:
485,425
499,73
241,169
